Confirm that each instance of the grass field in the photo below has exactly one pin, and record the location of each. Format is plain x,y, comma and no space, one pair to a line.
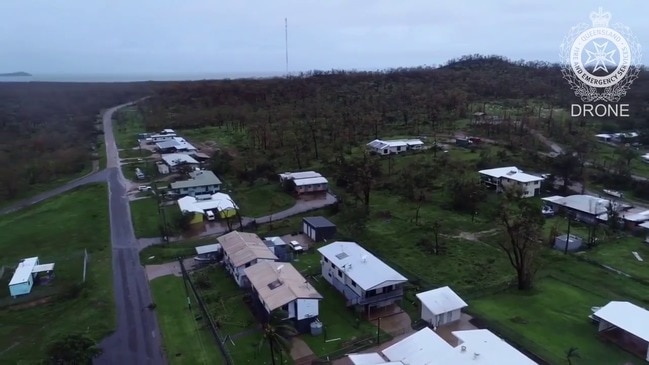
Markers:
126,125
148,168
162,253
58,231
135,153
618,254
147,220
187,340
261,199
551,320
607,154
222,136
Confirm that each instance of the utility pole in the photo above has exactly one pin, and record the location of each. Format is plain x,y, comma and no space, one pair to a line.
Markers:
184,274
565,250
378,331
286,42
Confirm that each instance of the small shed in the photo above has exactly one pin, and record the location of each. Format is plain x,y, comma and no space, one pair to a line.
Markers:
210,252
441,306
318,228
162,168
574,243
278,247
22,281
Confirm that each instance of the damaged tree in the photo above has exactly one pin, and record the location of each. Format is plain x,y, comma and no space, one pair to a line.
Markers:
521,221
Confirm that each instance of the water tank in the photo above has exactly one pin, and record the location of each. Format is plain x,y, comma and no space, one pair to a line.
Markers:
316,328
574,243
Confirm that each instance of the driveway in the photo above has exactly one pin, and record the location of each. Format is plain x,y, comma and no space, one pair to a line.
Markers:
169,268
136,339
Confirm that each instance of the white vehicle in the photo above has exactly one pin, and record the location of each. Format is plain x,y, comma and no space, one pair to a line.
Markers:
210,215
295,245
144,188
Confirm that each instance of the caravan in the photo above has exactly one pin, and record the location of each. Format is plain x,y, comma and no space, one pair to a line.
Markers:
210,215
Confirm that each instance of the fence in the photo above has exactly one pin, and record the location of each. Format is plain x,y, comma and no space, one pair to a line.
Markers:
210,321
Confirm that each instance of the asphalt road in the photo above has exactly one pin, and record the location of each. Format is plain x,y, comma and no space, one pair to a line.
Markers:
137,338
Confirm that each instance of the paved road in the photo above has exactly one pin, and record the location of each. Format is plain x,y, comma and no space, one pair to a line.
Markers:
94,177
137,337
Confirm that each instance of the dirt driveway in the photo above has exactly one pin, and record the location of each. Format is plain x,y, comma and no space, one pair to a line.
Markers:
170,268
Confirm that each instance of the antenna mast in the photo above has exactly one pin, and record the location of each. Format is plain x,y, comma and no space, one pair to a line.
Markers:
286,42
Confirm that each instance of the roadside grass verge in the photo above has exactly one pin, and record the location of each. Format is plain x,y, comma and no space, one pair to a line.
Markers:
148,168
58,231
127,124
549,321
162,253
186,338
147,220
135,153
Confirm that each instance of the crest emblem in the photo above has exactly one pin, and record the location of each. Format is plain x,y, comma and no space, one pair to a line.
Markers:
600,62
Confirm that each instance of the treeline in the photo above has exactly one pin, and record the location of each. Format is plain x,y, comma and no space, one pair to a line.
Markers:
48,131
317,115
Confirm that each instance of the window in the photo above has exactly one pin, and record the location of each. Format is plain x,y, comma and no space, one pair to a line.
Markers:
326,259
248,265
340,273
353,283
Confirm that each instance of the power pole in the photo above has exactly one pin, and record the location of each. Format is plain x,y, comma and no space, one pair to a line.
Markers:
184,274
286,42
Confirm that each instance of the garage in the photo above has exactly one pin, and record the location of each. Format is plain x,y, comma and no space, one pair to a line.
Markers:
318,228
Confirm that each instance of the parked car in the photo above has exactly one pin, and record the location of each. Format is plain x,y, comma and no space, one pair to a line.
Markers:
144,188
295,245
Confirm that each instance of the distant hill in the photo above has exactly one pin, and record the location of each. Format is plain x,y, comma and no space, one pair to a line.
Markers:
13,74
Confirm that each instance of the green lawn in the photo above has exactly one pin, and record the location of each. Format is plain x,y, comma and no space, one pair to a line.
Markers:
187,340
148,167
607,155
261,199
135,153
58,231
146,219
127,124
339,322
618,254
224,299
551,320
220,136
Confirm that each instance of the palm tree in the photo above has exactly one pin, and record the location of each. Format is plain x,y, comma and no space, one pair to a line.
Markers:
572,354
277,332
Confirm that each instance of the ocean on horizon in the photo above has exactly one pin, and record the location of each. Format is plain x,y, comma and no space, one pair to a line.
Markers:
103,78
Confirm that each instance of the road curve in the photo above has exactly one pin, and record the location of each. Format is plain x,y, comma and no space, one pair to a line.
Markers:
136,339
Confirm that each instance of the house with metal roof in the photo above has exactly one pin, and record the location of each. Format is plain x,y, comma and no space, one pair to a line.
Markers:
394,146
626,325
585,208
279,286
203,206
298,175
175,145
366,282
200,182
175,160
502,178
441,306
242,250
26,274
425,347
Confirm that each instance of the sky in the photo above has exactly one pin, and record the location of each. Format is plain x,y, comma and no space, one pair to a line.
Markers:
247,36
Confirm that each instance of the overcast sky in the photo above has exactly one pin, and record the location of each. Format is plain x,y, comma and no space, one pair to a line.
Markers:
230,36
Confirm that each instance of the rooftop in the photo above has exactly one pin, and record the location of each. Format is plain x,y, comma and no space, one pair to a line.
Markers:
197,178
243,247
201,250
441,300
359,265
424,347
218,201
278,284
583,203
381,144
160,135
318,222
511,173
310,181
299,175
626,316
173,159
373,358
24,270
485,348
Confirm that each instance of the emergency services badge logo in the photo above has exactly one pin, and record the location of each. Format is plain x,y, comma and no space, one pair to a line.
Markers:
600,62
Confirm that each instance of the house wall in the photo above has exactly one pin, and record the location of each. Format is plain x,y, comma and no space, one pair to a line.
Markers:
529,189
338,278
163,168
318,234
440,319
22,288
178,167
307,308
194,190
311,188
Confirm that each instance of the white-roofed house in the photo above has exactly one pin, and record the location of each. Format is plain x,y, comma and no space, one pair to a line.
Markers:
425,347
394,146
199,182
242,250
365,281
162,137
279,286
219,202
585,208
372,358
441,306
211,252
26,275
625,324
510,177
304,182
175,161
175,145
